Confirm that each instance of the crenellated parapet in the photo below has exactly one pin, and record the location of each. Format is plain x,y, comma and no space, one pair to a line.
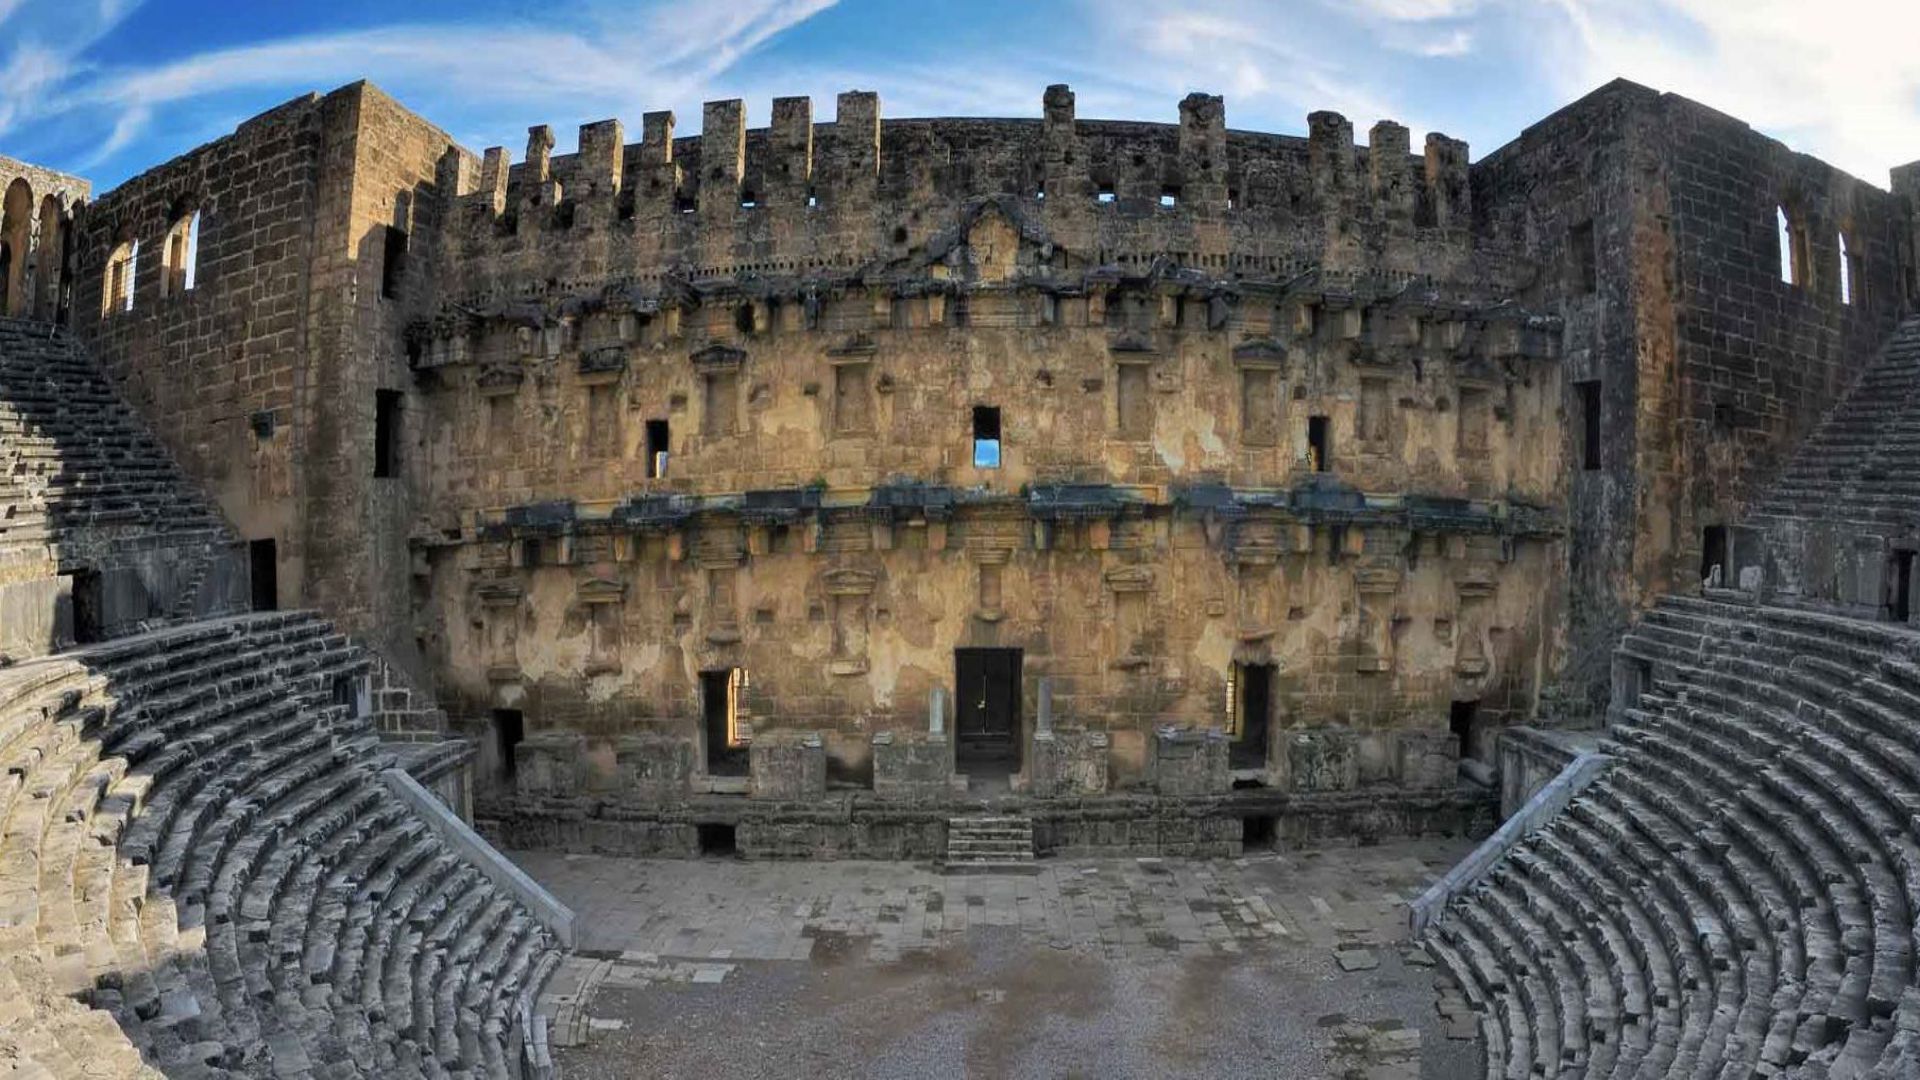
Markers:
799,198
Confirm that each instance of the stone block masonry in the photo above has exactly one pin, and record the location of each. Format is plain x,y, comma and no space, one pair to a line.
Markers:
658,457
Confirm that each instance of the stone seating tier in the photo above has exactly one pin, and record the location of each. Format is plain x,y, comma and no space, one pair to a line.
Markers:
195,841
1737,895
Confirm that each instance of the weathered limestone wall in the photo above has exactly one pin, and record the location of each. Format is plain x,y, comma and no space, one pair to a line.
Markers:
260,378
219,370
686,405
1762,360
37,206
1653,219
357,522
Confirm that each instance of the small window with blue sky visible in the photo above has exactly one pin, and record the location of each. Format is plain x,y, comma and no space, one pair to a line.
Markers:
986,437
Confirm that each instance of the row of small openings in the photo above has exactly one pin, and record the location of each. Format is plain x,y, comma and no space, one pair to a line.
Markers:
1169,196
178,269
1796,257
686,204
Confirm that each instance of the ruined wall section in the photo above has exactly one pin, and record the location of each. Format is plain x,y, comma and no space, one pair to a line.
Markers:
1762,360
1653,219
218,370
37,206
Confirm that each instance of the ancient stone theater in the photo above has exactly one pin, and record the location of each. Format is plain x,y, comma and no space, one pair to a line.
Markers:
964,492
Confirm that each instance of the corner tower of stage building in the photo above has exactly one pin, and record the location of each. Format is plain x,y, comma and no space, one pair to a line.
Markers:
683,458
1719,293
260,363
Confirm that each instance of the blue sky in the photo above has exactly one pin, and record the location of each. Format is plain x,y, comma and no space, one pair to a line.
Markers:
108,88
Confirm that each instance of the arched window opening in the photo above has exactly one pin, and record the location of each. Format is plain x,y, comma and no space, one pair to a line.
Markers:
48,265
16,229
1796,266
182,255
117,291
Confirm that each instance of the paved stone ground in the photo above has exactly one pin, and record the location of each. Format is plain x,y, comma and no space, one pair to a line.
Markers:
1288,964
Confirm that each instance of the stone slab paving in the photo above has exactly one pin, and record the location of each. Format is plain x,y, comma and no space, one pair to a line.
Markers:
1291,961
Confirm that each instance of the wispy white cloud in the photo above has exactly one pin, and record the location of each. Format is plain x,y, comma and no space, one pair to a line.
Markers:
610,63
1844,85
1417,10
1842,82
1452,43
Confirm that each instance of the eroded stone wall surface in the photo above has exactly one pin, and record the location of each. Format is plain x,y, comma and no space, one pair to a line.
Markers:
777,430
1257,402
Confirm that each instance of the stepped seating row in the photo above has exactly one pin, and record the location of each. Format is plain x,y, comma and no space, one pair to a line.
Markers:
74,455
1737,895
1861,464
195,842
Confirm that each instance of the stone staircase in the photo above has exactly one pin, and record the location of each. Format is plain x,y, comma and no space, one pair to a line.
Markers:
990,844
1862,464
74,455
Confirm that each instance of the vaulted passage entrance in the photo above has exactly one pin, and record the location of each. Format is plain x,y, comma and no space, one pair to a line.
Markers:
987,725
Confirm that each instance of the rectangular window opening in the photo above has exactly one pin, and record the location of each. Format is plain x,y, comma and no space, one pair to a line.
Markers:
386,443
1589,399
394,265
1319,444
986,437
657,434
1580,247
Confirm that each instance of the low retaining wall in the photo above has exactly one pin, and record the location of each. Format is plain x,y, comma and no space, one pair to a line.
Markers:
849,825
552,914
1542,808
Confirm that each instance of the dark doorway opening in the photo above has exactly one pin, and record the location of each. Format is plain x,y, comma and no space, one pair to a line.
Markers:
509,727
6,277
1714,571
1253,710
1319,443
657,433
88,602
717,838
263,568
987,724
1259,833
1900,586
720,719
1460,721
